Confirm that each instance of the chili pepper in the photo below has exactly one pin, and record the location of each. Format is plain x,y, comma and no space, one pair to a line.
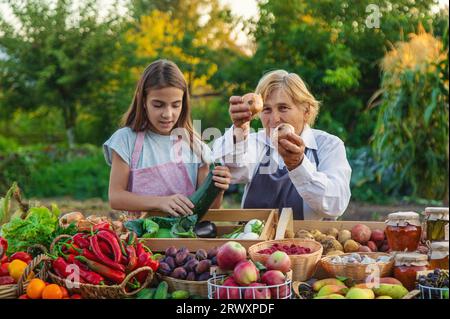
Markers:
7,280
25,257
102,257
73,249
106,249
4,269
80,240
131,238
113,242
60,267
141,248
102,226
4,247
153,264
105,271
89,255
119,241
91,277
132,259
4,259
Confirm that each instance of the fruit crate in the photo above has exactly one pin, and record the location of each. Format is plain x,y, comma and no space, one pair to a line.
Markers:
226,221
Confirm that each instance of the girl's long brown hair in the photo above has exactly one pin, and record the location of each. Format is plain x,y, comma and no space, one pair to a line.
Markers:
158,75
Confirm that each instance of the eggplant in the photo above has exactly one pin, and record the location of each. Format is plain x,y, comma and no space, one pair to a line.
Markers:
205,229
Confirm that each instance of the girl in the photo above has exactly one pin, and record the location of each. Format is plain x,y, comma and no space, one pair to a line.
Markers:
149,167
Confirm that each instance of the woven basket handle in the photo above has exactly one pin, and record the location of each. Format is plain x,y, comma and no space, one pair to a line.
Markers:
31,266
56,240
124,283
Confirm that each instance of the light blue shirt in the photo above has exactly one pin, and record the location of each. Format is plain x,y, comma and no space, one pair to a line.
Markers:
157,149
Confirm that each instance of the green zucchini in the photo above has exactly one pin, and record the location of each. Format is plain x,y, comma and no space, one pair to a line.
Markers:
162,291
205,195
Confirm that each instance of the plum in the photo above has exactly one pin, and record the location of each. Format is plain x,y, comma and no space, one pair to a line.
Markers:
164,269
203,266
203,276
201,254
190,276
191,265
180,258
212,253
179,273
171,251
170,261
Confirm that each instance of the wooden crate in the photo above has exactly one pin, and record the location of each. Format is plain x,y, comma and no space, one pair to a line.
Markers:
287,228
226,221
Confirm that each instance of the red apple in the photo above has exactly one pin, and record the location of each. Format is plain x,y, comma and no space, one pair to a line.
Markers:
230,254
279,260
281,292
245,273
273,277
228,293
373,247
258,292
377,235
361,233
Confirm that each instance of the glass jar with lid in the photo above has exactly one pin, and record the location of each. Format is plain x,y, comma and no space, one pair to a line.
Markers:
406,267
403,231
436,220
439,255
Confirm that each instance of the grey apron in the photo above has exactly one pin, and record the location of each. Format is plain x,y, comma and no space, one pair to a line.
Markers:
275,190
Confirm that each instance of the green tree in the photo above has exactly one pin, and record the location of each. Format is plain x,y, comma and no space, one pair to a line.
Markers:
57,54
411,135
328,43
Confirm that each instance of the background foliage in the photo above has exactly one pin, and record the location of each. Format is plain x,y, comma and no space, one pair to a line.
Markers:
69,68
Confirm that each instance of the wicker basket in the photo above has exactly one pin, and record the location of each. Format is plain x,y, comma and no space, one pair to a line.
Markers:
88,291
15,290
303,266
357,272
199,288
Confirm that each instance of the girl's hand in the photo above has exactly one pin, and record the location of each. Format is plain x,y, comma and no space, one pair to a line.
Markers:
176,205
222,177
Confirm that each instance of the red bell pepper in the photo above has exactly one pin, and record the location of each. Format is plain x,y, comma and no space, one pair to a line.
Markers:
4,259
25,257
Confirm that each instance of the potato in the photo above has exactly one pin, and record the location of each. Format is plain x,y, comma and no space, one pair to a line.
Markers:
332,232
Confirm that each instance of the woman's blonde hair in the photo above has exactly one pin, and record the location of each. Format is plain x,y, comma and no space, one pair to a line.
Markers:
294,86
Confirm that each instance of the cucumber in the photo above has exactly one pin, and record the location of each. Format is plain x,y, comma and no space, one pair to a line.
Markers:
162,291
205,195
180,294
147,293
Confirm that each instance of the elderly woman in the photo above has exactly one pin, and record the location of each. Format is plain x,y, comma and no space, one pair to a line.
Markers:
306,170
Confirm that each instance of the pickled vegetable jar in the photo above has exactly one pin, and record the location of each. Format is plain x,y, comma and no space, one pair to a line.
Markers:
403,231
406,267
439,255
436,223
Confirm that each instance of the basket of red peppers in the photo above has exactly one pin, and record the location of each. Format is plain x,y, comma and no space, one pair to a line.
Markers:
99,264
